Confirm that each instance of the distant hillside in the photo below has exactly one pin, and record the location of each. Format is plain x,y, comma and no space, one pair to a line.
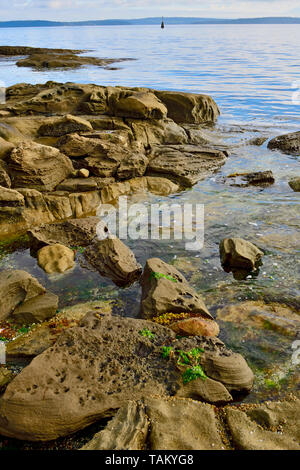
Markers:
150,21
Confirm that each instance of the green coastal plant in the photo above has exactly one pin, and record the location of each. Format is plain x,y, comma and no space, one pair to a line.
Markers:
193,373
147,333
166,351
189,360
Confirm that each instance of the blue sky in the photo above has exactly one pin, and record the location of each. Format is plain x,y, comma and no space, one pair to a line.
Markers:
68,10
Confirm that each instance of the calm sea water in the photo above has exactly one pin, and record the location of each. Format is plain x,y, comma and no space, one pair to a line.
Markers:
253,72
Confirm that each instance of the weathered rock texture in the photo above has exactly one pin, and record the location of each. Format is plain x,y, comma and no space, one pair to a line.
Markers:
165,290
288,143
128,430
113,259
71,233
56,258
176,424
270,426
38,166
41,58
96,368
66,125
236,253
80,145
24,299
295,184
185,164
45,334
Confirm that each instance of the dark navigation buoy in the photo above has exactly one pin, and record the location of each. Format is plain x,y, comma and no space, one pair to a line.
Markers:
162,24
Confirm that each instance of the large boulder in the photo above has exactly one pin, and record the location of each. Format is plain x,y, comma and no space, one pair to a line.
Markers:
189,107
138,105
56,258
92,370
113,259
38,166
72,233
165,290
236,253
24,298
185,164
288,143
65,125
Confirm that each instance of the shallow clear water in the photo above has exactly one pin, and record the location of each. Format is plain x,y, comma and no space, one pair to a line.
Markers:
252,72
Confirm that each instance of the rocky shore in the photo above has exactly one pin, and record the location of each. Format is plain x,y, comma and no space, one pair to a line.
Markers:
38,58
164,380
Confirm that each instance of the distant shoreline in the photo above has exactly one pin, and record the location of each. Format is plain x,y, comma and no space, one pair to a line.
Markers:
150,21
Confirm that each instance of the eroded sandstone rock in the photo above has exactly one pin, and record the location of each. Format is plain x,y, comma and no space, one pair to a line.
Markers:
295,184
45,334
66,125
73,232
165,290
185,164
270,426
196,326
189,107
288,143
113,259
21,295
139,105
56,258
92,370
38,166
236,253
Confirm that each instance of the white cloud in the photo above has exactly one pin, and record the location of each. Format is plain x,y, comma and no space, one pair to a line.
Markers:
98,9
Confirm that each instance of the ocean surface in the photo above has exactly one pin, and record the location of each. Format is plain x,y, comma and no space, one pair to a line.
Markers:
253,73
251,70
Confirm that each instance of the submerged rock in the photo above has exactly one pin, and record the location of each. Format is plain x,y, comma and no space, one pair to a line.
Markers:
288,143
113,259
94,369
239,254
56,258
258,178
24,299
165,290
